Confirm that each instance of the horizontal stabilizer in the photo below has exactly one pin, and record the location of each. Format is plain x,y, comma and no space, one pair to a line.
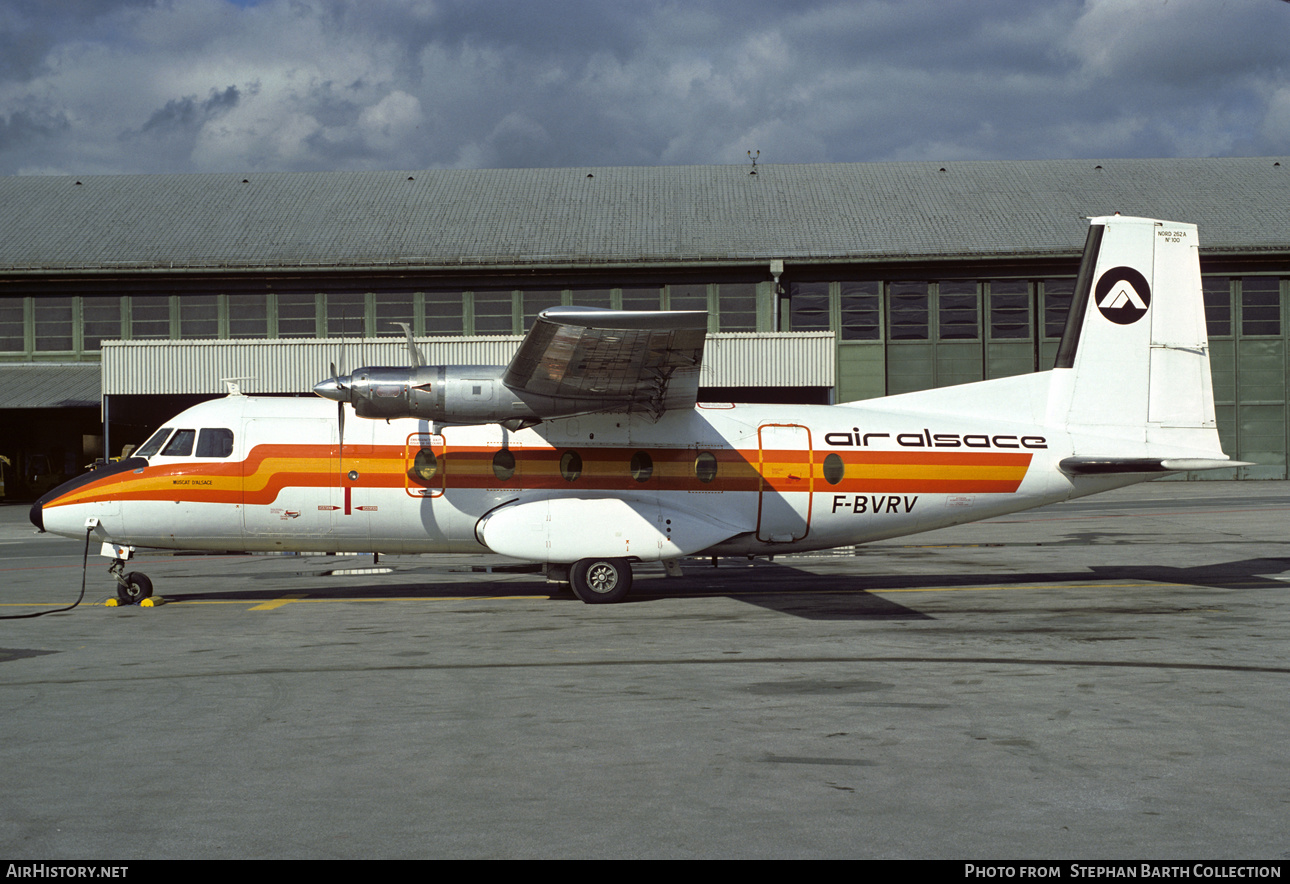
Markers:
1097,466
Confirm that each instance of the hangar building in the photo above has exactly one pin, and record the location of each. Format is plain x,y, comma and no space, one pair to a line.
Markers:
125,298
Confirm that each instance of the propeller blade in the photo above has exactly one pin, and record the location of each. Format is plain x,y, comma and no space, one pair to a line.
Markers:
340,448
414,352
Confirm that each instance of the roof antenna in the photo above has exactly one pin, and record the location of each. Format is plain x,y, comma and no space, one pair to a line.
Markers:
753,157
234,387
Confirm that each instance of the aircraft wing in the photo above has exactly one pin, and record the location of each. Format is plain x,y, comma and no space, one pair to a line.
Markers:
643,360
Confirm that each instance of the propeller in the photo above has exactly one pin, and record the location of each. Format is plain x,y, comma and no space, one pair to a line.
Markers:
335,388
340,415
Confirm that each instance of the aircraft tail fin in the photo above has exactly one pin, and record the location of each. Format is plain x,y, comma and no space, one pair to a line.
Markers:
1133,363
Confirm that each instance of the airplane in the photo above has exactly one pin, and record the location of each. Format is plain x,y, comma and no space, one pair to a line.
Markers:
589,452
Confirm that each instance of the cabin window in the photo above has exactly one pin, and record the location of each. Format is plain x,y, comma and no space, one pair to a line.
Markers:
180,444
570,465
425,465
642,466
154,443
705,466
833,469
503,464
215,442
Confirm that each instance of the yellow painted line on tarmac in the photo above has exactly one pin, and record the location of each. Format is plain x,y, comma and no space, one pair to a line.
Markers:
278,603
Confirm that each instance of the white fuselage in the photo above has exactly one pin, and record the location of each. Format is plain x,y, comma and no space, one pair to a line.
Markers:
718,479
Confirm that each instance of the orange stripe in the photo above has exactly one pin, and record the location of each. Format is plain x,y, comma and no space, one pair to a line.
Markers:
269,469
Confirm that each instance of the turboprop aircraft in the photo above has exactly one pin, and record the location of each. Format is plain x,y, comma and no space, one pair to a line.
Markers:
589,451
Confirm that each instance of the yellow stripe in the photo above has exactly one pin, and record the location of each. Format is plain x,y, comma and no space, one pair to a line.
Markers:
278,603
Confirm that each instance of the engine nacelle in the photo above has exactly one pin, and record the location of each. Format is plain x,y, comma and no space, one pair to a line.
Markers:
443,393
450,394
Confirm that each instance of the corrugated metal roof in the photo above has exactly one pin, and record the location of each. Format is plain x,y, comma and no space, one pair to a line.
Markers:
627,215
50,385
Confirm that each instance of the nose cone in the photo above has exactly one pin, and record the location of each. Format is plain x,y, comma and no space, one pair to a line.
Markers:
38,515
335,389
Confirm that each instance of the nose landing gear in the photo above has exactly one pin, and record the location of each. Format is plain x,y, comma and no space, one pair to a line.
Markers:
132,588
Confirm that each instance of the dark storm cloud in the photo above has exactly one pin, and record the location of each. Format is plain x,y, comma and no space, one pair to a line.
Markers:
315,84
187,112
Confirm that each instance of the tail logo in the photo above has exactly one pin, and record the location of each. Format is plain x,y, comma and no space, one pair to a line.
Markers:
1123,295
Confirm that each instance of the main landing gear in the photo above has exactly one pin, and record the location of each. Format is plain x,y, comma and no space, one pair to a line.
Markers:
601,581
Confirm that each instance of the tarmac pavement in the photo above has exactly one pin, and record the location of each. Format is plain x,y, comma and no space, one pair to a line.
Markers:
1102,679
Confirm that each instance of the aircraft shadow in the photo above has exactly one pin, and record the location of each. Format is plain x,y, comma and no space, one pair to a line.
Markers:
835,595
770,585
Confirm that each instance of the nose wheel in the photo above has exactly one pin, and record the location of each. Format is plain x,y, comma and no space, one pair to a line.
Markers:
132,588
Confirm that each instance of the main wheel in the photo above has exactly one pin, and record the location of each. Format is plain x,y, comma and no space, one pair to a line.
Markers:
137,588
601,581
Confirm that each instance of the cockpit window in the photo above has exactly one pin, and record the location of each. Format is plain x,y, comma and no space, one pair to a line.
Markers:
154,443
215,442
180,444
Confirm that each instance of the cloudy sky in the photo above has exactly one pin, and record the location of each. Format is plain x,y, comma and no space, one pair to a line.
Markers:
112,86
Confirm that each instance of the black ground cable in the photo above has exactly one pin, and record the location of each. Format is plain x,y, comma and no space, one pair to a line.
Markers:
85,562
